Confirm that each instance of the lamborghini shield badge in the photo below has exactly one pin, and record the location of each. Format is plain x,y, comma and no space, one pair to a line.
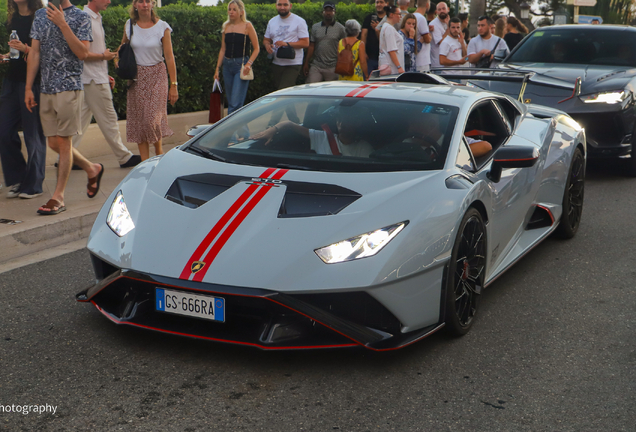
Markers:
196,266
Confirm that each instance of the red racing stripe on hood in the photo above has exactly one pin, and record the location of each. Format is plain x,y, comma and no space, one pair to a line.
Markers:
203,246
238,220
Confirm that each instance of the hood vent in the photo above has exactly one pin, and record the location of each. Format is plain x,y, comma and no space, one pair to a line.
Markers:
195,190
311,199
301,199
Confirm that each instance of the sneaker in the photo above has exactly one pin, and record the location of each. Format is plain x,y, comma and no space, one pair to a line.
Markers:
133,161
14,191
25,195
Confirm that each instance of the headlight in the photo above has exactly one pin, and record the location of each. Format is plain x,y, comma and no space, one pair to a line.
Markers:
362,246
608,98
119,219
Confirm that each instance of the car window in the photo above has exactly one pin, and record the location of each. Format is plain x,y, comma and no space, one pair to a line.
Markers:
465,158
334,134
485,123
578,46
507,111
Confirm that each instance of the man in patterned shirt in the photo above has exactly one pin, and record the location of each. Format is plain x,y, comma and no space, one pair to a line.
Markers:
61,38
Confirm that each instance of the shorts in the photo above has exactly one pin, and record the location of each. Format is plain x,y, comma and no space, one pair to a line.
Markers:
60,113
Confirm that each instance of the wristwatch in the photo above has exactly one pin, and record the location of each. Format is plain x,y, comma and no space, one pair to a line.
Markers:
466,59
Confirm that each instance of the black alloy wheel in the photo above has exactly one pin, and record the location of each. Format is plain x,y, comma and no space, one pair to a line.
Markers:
466,273
573,197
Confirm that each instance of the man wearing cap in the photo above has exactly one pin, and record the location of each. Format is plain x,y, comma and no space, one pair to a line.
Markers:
323,46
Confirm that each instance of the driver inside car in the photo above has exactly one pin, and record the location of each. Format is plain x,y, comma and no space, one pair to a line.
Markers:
428,134
346,142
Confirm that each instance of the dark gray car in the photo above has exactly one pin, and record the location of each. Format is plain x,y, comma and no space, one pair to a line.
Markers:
604,58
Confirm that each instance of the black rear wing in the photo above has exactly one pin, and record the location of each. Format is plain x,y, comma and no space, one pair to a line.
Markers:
455,76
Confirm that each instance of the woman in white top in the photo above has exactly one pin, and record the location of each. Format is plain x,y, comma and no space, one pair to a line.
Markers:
391,43
147,111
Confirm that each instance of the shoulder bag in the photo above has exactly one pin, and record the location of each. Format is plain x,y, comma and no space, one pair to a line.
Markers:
127,66
485,62
286,52
250,75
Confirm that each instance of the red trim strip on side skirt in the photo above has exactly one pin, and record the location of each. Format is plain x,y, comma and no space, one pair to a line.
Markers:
185,274
216,339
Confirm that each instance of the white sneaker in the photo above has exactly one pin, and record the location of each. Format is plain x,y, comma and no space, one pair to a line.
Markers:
14,191
25,195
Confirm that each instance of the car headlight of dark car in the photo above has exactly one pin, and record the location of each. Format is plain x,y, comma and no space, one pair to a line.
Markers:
611,97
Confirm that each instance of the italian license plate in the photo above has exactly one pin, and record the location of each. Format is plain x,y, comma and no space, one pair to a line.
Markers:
194,305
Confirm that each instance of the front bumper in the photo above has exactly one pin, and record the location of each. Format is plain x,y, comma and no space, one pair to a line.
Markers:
609,134
255,317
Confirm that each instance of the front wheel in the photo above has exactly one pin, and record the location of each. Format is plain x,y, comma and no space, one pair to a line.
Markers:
573,197
466,273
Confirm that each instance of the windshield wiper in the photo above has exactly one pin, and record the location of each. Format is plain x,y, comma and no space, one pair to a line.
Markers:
208,154
290,166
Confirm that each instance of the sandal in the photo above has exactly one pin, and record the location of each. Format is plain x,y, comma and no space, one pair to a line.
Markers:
93,184
52,207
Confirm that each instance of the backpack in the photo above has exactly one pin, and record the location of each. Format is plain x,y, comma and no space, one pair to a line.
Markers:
345,65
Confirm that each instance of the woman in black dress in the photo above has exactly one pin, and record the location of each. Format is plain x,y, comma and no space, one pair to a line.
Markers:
516,32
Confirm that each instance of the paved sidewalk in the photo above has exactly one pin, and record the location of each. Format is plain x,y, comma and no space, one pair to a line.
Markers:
37,233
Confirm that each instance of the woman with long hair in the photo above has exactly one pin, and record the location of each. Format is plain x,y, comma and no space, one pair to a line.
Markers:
236,31
500,27
407,31
24,178
360,72
516,32
147,102
391,43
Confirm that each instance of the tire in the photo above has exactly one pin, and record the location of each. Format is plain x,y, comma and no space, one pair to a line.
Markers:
573,197
466,273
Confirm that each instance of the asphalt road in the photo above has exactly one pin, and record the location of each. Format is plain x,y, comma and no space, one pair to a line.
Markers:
554,349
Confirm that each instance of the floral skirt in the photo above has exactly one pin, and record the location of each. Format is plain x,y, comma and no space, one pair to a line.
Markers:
147,111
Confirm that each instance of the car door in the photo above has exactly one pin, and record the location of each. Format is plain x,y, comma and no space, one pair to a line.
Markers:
514,194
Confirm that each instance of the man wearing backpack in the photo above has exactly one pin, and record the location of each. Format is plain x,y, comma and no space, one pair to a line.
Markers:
323,46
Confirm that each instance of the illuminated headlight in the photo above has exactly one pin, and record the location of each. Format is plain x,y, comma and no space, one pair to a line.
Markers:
362,246
119,219
608,98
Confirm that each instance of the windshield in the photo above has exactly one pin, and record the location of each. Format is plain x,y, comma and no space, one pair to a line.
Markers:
578,46
333,134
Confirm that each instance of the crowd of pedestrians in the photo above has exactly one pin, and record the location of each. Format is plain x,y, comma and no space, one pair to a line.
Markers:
59,81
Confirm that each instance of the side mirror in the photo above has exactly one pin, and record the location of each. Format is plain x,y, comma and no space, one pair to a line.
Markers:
500,55
196,130
512,157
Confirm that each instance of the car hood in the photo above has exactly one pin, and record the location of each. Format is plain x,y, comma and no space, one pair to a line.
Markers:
594,78
261,246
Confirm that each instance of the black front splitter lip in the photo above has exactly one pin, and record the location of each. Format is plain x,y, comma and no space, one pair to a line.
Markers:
335,332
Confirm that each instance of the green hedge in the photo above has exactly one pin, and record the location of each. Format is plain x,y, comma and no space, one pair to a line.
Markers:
196,40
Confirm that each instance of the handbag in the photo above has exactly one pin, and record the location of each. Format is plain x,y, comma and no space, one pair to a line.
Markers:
216,103
345,65
250,75
127,66
286,52
485,62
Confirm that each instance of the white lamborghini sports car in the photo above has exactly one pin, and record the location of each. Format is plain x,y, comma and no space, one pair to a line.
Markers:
337,214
